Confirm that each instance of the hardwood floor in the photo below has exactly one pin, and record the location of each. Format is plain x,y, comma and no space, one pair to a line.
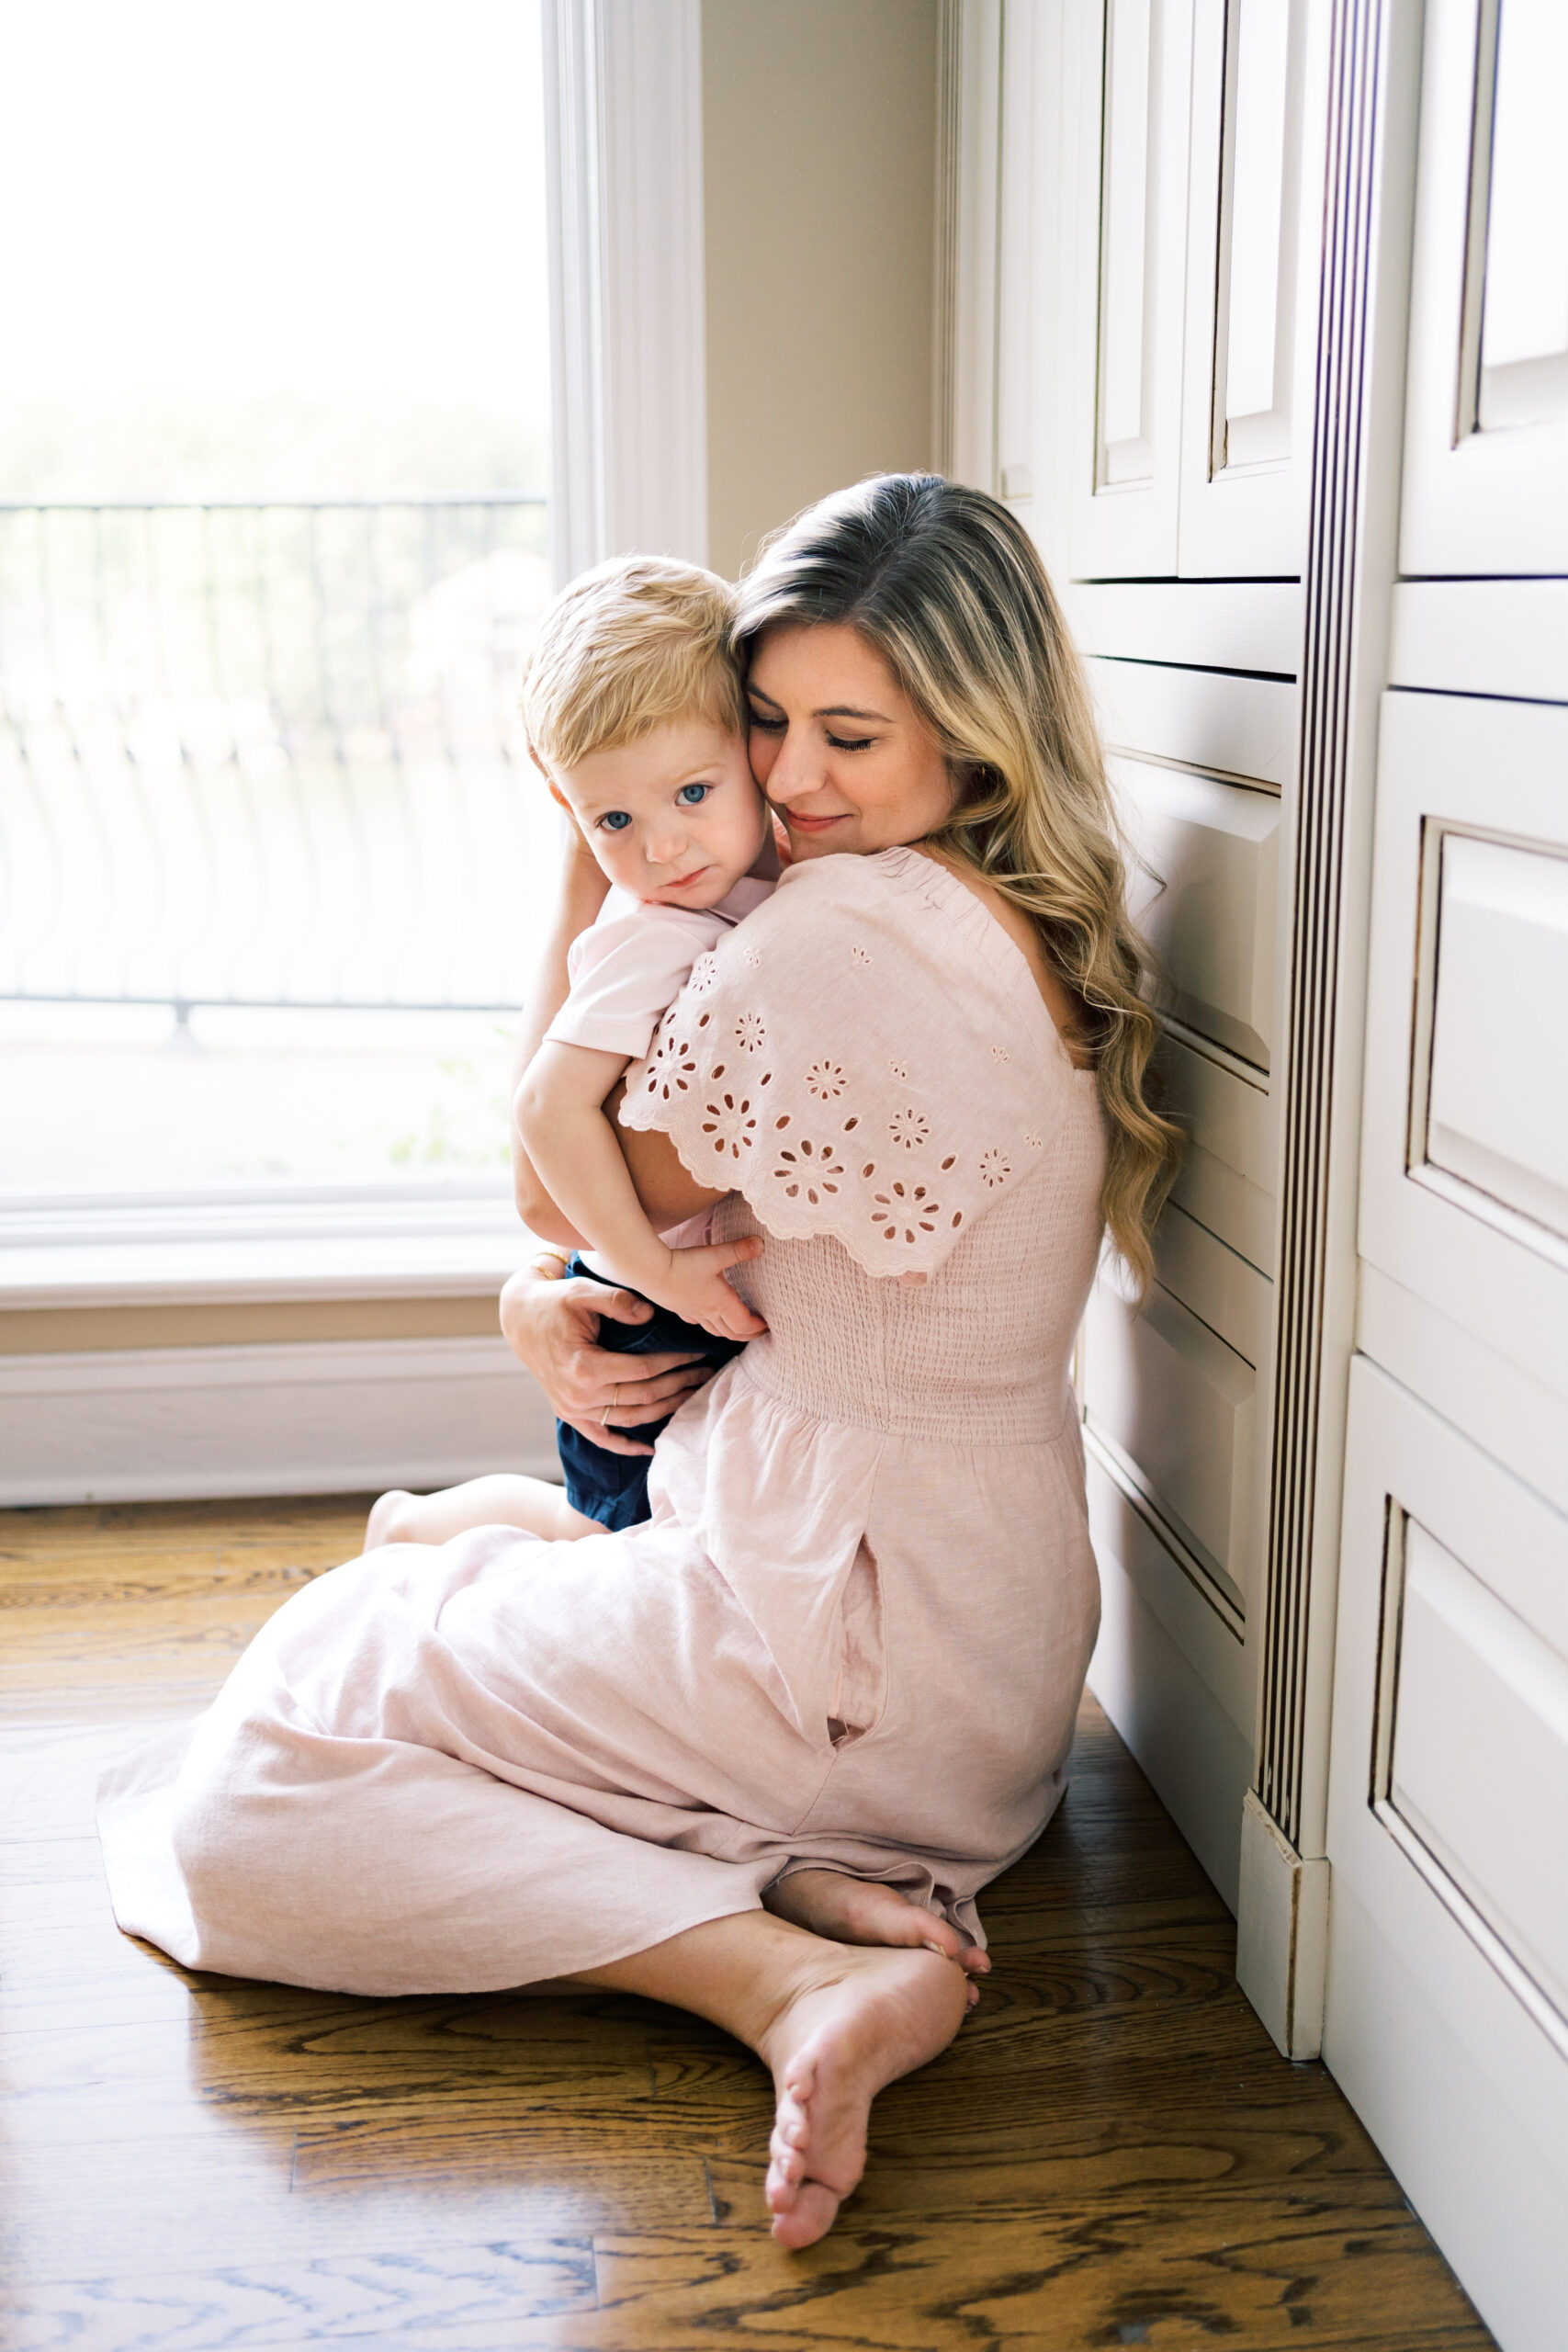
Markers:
1112,2153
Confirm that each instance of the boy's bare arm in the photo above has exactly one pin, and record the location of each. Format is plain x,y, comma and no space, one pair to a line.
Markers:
578,901
560,1113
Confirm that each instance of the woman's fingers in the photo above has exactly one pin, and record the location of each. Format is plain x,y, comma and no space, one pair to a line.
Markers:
653,1397
603,1363
620,1305
597,1376
600,1434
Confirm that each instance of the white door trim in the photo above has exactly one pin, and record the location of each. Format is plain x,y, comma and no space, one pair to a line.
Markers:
1358,391
624,153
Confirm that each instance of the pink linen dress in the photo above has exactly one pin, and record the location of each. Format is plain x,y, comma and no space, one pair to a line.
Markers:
854,1630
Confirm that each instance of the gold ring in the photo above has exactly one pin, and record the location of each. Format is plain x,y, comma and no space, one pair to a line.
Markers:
604,1416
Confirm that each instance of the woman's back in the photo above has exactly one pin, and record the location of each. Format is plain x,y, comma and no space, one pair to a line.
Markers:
976,1353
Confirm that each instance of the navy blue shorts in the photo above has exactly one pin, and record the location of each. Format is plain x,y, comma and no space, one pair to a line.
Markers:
613,1487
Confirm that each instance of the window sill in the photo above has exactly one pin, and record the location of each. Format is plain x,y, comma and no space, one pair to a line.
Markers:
173,1252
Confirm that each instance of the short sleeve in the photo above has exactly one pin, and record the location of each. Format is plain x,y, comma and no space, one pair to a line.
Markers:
868,1057
624,971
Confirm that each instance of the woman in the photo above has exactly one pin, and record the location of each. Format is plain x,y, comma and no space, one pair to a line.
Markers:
757,1757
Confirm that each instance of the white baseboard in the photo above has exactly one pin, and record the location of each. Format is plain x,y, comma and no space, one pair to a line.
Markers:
325,1417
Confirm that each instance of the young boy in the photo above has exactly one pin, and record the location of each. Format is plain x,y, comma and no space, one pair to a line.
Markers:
635,716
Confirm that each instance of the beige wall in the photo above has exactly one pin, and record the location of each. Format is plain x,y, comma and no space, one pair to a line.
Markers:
819,144
818,155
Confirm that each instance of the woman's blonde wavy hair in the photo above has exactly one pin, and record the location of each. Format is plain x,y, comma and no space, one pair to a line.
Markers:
947,586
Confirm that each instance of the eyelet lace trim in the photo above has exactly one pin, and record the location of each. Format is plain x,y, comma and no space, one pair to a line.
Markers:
807,1162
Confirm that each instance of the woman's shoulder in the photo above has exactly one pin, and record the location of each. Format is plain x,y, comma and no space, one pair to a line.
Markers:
844,879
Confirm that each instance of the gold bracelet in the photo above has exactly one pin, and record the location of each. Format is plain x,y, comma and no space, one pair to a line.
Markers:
562,1258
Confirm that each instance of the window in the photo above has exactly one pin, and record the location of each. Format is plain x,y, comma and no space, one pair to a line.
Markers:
274,464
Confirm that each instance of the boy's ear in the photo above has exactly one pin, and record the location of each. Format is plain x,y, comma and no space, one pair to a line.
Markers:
558,797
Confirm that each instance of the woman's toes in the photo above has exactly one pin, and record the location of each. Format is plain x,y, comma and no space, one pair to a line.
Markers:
810,2217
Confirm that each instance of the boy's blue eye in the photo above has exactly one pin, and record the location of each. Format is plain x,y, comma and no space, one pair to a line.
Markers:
615,820
691,795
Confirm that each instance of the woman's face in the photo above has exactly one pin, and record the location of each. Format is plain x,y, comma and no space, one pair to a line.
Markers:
836,746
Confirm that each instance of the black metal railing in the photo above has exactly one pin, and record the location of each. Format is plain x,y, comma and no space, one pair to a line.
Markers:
268,754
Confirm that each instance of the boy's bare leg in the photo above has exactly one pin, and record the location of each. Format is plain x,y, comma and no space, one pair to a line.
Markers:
500,1500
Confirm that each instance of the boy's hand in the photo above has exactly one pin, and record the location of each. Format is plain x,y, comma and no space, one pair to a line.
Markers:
695,1288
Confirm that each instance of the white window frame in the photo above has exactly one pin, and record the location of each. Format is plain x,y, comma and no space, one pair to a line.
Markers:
623,136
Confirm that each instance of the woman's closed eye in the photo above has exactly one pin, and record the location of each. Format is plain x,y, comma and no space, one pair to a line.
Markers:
765,724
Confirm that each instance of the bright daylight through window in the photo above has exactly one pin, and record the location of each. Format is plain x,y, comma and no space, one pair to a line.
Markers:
273,457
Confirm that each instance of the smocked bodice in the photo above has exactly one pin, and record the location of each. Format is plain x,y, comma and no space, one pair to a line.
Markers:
978,1354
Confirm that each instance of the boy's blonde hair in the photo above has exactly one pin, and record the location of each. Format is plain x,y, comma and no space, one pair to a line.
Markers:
630,646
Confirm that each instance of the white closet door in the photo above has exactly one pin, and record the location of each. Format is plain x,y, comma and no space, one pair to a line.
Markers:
1129,126
1256,166
1447,2017
1486,434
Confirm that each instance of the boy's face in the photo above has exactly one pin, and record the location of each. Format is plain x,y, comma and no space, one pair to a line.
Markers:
675,817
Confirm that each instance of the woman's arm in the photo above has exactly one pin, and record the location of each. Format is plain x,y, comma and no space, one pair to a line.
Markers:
577,900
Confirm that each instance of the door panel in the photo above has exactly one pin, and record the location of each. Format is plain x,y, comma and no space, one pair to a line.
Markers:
1175,1408
1169,1393
1226,1180
1209,625
1501,636
1444,2020
1206,903
1131,1537
1486,432
1257,106
1206,718
1130,130
1502,942
1466,1658
1462,1153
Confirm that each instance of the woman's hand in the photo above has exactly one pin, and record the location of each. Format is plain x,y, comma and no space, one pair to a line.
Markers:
551,1325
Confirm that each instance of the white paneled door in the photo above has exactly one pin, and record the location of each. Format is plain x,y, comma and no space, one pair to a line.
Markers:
1281,391
1447,2013
1161,178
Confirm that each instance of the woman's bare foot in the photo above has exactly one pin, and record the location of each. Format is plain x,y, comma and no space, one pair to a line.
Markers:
859,2019
863,1911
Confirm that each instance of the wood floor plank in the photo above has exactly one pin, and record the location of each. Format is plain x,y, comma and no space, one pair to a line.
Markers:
1112,2152
1260,2272
190,2220
414,2294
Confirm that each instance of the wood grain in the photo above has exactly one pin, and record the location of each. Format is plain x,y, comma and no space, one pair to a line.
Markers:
1112,2152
